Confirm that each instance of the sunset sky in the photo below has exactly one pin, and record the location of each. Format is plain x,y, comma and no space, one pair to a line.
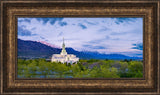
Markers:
103,35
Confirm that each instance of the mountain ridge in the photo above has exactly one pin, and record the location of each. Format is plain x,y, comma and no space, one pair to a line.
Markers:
34,49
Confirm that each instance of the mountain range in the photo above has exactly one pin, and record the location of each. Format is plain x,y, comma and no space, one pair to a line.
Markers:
33,49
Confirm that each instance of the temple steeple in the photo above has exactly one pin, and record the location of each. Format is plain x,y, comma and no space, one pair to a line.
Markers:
63,52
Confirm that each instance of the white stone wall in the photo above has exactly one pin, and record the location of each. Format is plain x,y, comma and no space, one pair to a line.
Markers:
69,58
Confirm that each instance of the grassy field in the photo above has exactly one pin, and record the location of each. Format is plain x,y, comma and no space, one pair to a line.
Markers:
40,68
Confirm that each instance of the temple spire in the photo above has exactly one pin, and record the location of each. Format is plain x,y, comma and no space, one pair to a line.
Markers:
63,52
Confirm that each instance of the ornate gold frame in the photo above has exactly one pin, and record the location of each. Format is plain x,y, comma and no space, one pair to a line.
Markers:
10,10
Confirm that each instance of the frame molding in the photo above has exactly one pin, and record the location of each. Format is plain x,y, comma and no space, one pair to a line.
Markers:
10,10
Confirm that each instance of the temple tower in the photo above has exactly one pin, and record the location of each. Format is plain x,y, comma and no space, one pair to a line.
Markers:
63,52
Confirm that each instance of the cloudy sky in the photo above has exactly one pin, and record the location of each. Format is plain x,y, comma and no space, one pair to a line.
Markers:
103,35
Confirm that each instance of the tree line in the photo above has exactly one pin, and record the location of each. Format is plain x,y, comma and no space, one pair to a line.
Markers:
40,68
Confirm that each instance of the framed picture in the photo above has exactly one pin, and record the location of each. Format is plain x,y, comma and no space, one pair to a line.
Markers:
79,47
92,47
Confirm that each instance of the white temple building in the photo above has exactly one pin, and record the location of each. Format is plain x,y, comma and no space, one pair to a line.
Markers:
63,57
